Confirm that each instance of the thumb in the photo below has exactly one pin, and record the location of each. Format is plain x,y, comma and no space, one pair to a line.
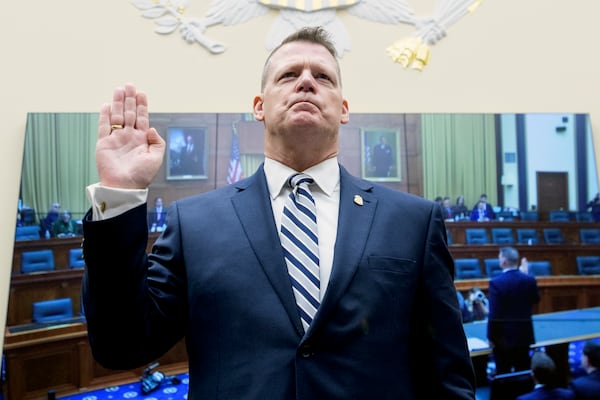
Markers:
155,141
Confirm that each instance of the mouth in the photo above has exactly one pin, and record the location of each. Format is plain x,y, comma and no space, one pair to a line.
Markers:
303,105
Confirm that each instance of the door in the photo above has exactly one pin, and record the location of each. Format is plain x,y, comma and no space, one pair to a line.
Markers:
552,191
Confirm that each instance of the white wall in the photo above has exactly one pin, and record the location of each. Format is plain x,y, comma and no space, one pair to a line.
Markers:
509,56
510,176
550,151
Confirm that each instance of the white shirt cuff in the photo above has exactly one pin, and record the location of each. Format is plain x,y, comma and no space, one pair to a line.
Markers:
108,202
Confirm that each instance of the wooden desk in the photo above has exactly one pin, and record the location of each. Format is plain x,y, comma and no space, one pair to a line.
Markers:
25,289
570,229
557,293
562,257
59,358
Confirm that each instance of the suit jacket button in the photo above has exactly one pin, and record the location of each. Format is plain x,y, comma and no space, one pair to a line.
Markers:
307,351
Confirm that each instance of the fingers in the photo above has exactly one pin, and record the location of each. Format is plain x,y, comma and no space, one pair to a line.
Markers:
130,106
143,122
116,111
104,121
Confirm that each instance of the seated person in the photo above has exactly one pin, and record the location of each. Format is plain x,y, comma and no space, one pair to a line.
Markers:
543,371
460,209
481,213
64,226
157,218
489,210
447,210
50,218
588,386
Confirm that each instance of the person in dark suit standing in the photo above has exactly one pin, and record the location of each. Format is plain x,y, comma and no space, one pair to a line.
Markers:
587,387
383,158
385,322
157,218
511,297
543,371
190,158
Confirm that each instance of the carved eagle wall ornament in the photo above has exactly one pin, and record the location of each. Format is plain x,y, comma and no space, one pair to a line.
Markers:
411,52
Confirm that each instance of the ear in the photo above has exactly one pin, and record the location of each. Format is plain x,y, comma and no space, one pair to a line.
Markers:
345,112
258,110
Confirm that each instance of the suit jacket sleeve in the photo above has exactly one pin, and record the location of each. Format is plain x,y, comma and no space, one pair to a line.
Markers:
128,324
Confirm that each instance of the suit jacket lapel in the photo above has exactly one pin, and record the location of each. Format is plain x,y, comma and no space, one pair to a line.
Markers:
254,210
357,209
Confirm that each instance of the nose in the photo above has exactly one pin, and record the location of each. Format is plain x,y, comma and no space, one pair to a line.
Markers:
306,82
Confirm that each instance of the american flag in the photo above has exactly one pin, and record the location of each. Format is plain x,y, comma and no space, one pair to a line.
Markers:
234,173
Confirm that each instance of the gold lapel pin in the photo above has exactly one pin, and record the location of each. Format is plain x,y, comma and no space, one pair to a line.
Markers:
358,200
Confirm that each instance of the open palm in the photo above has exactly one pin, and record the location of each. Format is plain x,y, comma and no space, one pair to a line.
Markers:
128,152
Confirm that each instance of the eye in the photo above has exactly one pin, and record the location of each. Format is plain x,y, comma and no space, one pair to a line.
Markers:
323,76
287,75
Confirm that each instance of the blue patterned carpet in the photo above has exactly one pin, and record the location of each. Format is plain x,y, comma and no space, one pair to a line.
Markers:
166,391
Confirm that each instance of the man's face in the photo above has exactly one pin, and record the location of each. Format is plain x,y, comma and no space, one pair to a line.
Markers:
302,95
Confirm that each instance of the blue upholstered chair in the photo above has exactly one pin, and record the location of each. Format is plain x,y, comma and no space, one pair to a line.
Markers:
502,236
539,268
448,237
76,258
492,267
529,216
37,261
52,310
559,216
553,236
505,216
476,236
29,232
467,268
524,235
589,235
588,265
584,216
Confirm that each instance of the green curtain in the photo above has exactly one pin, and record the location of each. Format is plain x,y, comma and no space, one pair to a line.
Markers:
459,156
250,163
59,161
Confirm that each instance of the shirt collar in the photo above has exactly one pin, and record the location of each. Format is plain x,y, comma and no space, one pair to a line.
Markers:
326,175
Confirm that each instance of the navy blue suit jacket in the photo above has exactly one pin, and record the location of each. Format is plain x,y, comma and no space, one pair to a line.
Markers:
587,387
544,393
388,327
511,297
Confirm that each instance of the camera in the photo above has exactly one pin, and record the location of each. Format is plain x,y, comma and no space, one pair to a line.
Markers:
152,380
476,295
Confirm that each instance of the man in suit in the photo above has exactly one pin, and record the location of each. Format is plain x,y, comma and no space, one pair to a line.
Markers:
157,218
511,297
488,210
190,158
587,387
387,323
543,371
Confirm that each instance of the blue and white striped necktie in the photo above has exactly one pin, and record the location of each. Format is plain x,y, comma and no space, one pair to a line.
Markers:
301,246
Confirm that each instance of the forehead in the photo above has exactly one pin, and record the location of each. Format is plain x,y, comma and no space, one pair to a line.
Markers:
301,53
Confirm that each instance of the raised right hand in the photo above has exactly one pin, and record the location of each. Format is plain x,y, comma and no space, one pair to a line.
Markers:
127,157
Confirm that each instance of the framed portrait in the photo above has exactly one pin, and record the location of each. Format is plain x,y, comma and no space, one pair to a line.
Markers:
187,152
380,154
